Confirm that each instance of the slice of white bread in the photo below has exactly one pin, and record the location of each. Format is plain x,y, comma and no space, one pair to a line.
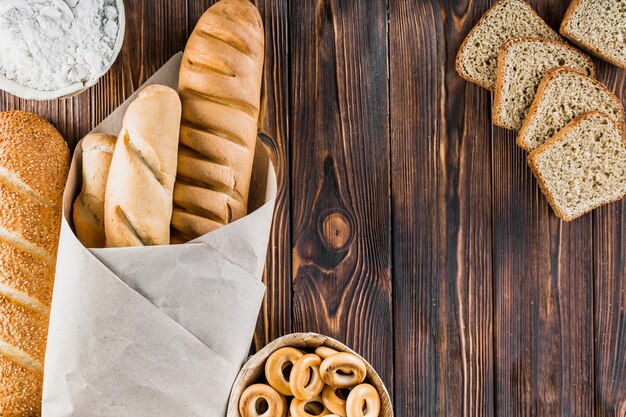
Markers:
563,95
477,60
599,26
522,63
583,166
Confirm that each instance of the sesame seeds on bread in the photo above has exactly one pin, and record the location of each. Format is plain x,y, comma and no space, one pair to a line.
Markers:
522,63
598,26
34,160
583,166
477,59
563,95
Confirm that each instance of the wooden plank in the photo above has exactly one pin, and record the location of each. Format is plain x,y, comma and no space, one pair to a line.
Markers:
543,271
340,175
275,317
610,289
441,183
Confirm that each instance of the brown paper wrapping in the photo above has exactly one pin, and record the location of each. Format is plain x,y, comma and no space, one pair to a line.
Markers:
155,331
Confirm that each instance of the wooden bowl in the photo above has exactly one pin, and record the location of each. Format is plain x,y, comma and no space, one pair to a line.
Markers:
26,92
255,366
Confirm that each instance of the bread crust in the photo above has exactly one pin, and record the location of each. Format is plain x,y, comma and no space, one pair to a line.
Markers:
497,100
467,39
459,68
26,273
138,197
220,88
545,81
25,139
564,30
88,212
16,400
532,157
34,161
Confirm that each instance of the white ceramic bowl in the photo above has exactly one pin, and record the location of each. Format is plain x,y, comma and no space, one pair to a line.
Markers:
31,93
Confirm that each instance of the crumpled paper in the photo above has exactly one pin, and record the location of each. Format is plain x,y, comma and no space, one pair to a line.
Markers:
155,331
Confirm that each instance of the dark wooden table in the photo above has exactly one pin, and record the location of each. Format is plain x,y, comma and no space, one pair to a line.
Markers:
407,225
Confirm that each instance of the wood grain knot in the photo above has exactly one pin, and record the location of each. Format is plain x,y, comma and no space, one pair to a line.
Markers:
335,230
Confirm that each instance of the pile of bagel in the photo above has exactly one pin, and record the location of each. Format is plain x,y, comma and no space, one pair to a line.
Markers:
301,384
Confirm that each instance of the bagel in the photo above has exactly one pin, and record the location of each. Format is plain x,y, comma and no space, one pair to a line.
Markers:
262,400
334,402
276,365
313,407
324,352
363,401
343,370
305,381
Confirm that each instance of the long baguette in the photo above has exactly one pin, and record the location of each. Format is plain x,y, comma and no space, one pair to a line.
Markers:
138,198
34,162
220,89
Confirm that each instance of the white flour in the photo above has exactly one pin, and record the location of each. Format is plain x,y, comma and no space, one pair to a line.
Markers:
51,44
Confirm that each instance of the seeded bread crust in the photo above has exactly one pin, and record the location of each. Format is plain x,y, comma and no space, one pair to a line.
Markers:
545,82
532,157
34,160
564,30
470,35
497,104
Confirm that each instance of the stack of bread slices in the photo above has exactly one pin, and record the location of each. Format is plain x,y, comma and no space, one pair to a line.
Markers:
544,88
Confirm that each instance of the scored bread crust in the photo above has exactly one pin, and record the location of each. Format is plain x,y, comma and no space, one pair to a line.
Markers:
138,196
34,161
459,67
497,100
220,88
88,212
547,145
564,30
549,76
16,400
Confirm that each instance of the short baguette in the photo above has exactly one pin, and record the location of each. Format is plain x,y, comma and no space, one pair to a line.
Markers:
138,199
34,161
88,214
220,89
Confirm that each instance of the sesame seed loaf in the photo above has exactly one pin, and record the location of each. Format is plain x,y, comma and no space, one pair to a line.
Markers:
563,95
477,59
583,166
598,26
522,63
34,161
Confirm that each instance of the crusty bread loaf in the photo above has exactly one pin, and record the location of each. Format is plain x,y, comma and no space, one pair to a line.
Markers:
138,198
563,95
220,89
97,151
34,161
583,166
599,26
522,63
477,60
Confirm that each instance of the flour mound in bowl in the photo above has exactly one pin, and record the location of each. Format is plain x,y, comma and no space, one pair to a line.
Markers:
52,44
